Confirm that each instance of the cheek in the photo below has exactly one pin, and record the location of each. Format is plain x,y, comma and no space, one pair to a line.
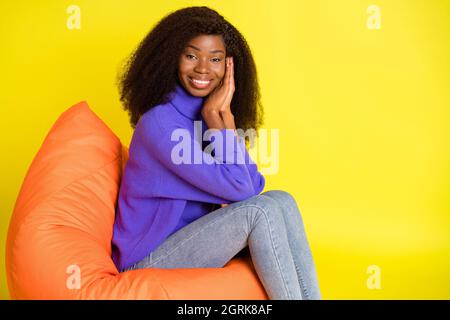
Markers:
183,67
221,72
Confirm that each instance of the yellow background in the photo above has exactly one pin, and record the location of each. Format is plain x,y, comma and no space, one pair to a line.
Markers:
363,118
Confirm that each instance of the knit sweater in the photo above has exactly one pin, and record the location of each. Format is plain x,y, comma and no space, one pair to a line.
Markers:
159,194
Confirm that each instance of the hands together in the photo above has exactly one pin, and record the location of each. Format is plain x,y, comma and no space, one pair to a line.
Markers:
217,108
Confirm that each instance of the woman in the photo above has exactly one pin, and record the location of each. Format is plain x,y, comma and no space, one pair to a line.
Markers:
195,68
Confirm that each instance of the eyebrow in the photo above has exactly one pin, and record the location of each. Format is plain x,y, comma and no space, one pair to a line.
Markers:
212,51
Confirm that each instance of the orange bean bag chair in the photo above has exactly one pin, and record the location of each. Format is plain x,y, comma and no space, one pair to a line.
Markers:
59,237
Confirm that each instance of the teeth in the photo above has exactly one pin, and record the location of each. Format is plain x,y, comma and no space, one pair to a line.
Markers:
200,81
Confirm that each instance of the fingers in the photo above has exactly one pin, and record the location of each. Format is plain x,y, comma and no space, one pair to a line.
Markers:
230,81
226,88
223,81
230,71
227,71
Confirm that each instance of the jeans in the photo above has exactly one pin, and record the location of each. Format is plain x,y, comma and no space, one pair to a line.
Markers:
268,224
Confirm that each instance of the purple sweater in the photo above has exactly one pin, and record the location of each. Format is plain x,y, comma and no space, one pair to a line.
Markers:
157,196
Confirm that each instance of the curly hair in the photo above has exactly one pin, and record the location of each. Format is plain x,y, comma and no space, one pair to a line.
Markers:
151,71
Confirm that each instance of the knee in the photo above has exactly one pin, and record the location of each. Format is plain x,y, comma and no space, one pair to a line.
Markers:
283,197
268,204
286,201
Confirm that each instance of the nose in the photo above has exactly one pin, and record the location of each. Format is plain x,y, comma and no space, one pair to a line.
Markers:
201,66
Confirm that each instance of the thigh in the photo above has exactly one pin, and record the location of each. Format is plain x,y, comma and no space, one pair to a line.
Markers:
208,242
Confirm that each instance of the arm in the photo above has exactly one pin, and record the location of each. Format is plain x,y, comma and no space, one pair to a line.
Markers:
212,179
225,119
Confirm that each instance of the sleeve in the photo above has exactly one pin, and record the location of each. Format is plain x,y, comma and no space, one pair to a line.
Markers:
215,173
258,179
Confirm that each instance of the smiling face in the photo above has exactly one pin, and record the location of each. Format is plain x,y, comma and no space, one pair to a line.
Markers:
202,64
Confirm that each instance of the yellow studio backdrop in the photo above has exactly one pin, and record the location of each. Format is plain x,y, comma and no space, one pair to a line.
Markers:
359,94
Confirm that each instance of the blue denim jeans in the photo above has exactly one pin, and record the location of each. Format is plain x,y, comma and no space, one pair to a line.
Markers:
269,225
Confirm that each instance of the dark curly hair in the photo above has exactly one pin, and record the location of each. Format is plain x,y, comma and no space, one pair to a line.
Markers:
151,72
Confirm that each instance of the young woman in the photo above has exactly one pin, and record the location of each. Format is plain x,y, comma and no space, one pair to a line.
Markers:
193,68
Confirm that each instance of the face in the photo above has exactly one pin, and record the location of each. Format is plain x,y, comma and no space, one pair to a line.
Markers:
202,64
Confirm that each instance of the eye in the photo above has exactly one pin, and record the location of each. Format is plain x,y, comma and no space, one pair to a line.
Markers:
189,55
217,59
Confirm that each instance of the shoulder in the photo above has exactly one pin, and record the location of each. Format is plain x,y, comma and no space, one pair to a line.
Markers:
156,127
160,121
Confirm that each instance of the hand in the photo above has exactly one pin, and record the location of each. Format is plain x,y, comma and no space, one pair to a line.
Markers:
223,205
219,100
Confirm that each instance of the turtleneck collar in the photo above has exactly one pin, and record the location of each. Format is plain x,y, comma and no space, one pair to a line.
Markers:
185,103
